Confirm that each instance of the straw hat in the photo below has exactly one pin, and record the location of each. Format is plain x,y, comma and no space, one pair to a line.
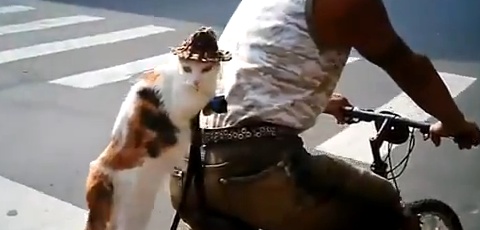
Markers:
201,46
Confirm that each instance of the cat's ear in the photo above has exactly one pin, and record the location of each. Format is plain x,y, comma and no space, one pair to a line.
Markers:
136,77
149,75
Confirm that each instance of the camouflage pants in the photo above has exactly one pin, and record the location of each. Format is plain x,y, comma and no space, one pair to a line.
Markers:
274,184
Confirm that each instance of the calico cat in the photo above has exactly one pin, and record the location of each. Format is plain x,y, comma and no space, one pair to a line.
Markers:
151,135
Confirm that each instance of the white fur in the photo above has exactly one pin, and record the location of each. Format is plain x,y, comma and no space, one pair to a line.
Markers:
135,189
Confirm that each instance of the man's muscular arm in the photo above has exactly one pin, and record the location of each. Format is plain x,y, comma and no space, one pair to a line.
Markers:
364,25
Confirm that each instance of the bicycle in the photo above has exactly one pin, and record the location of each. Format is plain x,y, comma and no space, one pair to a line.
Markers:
395,129
391,128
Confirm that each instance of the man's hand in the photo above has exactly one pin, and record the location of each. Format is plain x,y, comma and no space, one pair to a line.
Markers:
335,107
466,134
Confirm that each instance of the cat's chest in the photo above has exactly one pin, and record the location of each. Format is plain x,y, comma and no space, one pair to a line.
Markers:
184,104
181,98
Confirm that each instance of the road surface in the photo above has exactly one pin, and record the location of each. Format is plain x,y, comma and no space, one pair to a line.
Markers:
64,68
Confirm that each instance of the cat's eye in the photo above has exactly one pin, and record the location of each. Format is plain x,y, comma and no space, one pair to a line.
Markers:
206,69
187,69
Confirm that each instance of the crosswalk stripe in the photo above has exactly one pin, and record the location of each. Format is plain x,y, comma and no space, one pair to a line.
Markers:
26,208
118,73
47,23
109,75
353,143
78,43
14,9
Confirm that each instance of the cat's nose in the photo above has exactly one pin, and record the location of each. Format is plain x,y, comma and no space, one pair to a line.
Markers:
196,83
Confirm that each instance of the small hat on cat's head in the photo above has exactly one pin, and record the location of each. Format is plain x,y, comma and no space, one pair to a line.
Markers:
201,46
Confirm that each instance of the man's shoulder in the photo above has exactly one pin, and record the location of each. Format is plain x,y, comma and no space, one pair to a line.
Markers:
344,6
340,23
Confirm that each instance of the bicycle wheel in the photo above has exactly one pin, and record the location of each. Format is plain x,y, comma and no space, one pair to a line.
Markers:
443,216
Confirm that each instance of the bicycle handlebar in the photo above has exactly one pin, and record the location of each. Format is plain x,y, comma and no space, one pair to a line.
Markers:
370,115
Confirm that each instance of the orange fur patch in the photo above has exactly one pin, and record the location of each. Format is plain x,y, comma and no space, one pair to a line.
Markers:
99,199
99,187
150,77
133,150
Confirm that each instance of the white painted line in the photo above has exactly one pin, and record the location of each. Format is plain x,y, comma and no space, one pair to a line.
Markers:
352,59
14,9
112,74
119,73
23,208
78,43
353,143
46,24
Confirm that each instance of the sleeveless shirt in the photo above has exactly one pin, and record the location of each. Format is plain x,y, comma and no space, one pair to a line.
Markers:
277,73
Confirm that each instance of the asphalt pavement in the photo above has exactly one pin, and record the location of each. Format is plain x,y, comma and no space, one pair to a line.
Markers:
64,68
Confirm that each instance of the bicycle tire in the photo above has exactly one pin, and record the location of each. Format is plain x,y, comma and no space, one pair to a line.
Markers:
438,208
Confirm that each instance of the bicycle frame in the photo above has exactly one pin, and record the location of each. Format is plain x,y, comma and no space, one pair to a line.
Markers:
379,166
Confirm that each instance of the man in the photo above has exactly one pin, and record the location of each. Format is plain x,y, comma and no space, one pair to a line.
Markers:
287,59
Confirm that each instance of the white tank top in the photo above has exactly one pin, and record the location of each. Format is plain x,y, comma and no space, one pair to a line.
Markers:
277,74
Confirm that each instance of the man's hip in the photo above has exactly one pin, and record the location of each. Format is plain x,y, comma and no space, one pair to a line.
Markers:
271,182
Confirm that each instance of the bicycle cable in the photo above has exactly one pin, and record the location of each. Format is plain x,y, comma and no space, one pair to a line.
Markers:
403,162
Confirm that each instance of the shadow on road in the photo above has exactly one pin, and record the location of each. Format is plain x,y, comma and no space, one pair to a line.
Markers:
442,29
207,12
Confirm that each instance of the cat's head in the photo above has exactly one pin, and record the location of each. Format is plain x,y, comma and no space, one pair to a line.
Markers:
197,74
199,58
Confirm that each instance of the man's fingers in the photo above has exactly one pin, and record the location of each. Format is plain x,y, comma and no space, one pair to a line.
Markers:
426,136
476,140
341,120
435,139
464,146
464,142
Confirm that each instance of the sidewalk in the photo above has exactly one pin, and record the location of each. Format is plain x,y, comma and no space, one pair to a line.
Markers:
23,208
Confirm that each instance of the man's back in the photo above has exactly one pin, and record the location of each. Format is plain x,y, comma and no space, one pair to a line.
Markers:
277,73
